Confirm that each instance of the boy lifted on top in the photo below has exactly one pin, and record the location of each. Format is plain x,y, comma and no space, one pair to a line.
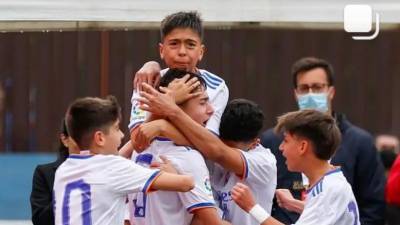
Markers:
181,48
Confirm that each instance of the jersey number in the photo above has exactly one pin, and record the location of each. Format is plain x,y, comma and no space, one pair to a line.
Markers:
86,202
139,205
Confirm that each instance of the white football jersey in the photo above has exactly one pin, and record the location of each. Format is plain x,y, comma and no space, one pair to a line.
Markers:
260,175
92,189
330,202
172,208
218,94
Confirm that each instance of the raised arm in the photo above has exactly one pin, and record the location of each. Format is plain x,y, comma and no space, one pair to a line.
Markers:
149,73
204,141
173,182
161,128
286,200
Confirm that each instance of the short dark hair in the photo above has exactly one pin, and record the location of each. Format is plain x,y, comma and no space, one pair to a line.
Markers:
90,114
308,63
241,121
189,20
319,128
173,74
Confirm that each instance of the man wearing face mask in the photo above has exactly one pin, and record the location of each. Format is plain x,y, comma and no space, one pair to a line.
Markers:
357,156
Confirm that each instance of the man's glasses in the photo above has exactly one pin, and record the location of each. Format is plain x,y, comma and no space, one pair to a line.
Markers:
315,88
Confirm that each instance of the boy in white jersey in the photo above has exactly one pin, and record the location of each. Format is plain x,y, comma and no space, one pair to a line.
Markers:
310,139
90,188
182,48
170,208
239,156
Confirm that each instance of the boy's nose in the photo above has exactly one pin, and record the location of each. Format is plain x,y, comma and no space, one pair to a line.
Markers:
182,50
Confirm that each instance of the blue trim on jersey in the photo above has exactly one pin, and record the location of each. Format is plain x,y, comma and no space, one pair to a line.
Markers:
213,132
210,83
149,181
162,139
316,188
318,185
200,205
246,167
333,171
80,156
213,77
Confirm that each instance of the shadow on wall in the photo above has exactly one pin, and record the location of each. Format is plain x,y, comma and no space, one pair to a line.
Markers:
16,171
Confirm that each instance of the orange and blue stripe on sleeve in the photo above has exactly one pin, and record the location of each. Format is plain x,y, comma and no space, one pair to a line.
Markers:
245,173
202,205
147,187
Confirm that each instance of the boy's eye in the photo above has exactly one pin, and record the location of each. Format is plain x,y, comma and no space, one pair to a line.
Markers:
191,45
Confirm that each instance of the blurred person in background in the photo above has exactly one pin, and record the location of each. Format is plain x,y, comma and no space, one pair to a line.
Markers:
313,88
388,148
42,183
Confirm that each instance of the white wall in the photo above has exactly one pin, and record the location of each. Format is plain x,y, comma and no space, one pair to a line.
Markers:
212,10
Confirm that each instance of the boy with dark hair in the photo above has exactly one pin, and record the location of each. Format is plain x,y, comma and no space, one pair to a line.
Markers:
181,48
310,139
91,187
237,156
171,208
182,20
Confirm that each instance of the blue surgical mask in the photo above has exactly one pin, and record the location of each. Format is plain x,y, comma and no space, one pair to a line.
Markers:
313,101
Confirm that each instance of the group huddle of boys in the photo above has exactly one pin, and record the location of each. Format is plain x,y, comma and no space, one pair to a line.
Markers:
200,147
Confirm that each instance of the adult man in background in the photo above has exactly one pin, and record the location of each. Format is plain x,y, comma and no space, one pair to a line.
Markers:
313,82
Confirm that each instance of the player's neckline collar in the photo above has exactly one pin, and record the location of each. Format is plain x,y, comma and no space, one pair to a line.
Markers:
83,154
78,156
334,170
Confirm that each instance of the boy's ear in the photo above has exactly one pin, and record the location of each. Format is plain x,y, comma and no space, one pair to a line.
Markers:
304,147
161,50
64,139
99,138
202,51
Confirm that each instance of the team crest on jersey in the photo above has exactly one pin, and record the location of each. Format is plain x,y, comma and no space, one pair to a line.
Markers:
138,112
207,185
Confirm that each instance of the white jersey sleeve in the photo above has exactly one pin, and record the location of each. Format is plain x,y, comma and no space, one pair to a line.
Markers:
138,115
259,166
219,104
201,195
124,176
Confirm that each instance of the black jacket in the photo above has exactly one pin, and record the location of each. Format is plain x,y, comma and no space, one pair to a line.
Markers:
360,164
42,193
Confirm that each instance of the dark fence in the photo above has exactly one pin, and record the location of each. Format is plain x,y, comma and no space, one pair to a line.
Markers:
41,73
